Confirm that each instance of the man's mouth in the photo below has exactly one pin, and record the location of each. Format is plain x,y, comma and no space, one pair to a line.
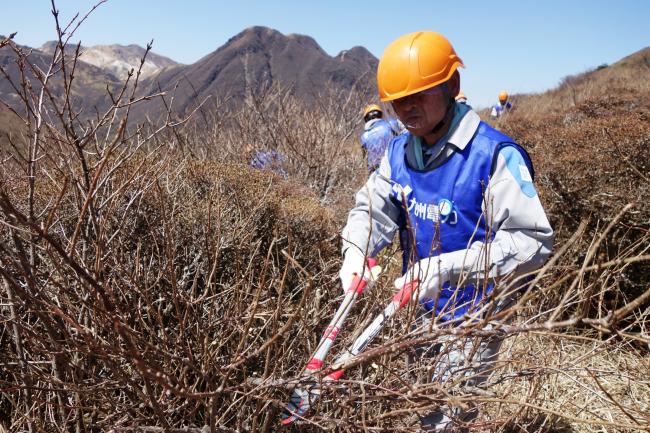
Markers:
413,121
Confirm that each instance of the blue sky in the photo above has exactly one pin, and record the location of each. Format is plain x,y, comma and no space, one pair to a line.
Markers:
518,46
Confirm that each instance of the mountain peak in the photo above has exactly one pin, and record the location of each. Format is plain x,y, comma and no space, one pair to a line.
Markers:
256,38
254,33
259,31
259,57
356,53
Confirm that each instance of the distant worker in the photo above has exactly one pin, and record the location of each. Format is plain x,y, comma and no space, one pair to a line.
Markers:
502,106
266,160
377,133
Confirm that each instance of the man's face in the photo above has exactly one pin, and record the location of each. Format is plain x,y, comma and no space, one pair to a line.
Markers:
422,111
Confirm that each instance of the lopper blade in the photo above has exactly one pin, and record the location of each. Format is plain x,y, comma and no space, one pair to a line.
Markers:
300,402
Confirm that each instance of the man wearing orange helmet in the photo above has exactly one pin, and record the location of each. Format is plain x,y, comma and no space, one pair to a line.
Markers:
377,133
502,106
461,194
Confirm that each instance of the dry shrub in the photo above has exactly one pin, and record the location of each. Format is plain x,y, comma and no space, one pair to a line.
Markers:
183,280
591,162
140,281
589,139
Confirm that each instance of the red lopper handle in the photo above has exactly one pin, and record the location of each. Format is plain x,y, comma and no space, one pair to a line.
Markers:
359,284
404,295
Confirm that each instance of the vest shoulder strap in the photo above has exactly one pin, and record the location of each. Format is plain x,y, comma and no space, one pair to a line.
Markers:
503,144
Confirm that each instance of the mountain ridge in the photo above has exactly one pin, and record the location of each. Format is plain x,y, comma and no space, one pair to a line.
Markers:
259,57
254,59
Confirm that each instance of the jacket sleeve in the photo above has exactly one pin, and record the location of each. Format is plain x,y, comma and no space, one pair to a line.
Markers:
372,222
523,237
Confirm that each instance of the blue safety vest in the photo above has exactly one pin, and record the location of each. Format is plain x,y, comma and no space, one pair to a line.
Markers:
395,125
444,207
269,160
375,139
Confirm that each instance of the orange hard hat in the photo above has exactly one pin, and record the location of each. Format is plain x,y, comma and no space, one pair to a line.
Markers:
503,96
460,95
415,62
371,107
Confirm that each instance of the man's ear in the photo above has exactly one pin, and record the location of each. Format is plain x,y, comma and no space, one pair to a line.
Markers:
454,84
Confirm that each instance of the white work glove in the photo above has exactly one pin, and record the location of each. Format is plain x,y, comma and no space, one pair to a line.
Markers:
430,276
353,264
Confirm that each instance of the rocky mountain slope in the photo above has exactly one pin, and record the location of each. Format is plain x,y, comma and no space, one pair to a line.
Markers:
118,59
23,68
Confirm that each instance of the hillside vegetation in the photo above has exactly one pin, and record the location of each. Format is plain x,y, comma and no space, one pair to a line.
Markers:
152,281
590,141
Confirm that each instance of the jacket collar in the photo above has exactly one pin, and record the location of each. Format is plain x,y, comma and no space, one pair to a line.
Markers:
465,130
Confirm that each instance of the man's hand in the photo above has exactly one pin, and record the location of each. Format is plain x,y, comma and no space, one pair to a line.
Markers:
430,275
354,264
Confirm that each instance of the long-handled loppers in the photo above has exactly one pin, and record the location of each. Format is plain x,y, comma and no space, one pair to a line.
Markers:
317,360
302,399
